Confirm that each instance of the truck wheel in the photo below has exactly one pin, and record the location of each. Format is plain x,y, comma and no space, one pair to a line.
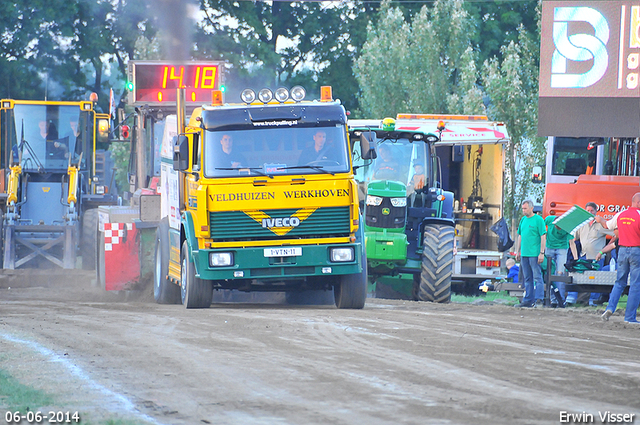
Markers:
196,293
437,264
89,242
164,291
351,291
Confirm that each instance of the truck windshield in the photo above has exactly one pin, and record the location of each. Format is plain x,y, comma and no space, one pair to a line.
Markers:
48,135
399,161
571,156
275,151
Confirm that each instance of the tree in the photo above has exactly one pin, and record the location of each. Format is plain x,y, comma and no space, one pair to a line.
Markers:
496,24
62,49
424,66
512,85
267,44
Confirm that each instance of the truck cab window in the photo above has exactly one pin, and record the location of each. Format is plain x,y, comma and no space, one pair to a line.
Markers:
571,156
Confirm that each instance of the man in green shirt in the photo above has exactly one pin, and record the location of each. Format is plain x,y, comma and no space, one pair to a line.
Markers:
530,246
558,242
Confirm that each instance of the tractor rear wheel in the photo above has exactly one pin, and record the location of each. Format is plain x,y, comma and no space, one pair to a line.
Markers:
164,291
437,263
196,292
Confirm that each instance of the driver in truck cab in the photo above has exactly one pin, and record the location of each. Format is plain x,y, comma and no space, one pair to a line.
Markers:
226,156
318,151
387,168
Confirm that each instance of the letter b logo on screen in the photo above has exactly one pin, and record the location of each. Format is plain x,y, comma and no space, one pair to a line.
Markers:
578,47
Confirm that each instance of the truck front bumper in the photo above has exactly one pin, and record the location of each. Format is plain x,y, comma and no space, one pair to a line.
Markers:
252,263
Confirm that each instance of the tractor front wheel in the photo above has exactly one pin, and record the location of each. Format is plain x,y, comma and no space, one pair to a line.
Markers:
437,264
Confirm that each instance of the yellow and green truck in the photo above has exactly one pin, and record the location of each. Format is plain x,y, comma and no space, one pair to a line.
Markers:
259,196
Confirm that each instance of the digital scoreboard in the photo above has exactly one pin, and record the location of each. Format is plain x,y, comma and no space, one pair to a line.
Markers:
155,82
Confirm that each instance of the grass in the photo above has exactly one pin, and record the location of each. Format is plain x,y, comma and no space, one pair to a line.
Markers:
503,297
17,397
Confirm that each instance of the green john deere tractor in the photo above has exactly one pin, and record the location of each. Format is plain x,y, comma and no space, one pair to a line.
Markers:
409,227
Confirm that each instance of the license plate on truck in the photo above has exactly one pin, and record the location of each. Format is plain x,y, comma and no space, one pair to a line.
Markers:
283,252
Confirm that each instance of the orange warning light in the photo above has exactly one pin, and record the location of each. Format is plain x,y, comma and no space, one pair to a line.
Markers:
325,94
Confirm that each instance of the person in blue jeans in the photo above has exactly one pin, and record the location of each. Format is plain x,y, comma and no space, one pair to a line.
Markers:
530,246
558,243
628,266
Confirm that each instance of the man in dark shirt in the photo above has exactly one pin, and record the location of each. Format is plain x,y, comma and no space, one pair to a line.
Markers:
227,157
318,152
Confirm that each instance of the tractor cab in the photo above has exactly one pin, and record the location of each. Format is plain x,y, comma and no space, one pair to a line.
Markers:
48,161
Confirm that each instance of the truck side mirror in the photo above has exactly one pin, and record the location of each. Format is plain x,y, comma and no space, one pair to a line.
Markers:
536,174
180,153
367,145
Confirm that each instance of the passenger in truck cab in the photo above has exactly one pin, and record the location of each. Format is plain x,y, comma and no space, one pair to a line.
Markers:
318,151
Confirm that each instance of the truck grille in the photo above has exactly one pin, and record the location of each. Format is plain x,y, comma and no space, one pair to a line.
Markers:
238,226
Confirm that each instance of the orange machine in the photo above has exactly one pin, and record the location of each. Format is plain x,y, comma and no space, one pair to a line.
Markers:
569,159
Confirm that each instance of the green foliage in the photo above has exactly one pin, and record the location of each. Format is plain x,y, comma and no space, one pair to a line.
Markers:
496,24
120,154
64,49
429,66
512,85
425,66
269,44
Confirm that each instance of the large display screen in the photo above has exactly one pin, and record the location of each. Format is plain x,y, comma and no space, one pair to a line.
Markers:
590,69
156,82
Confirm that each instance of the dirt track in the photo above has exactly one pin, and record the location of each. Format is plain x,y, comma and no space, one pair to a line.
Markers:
120,355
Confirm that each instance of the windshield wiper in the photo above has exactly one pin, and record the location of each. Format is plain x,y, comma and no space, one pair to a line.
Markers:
313,167
257,170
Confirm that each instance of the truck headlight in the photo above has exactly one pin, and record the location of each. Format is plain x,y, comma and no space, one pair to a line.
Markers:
339,255
399,202
220,259
374,200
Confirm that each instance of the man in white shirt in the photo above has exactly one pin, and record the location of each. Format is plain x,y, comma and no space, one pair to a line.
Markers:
593,238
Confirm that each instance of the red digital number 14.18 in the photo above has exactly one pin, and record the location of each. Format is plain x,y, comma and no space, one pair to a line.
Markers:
205,77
